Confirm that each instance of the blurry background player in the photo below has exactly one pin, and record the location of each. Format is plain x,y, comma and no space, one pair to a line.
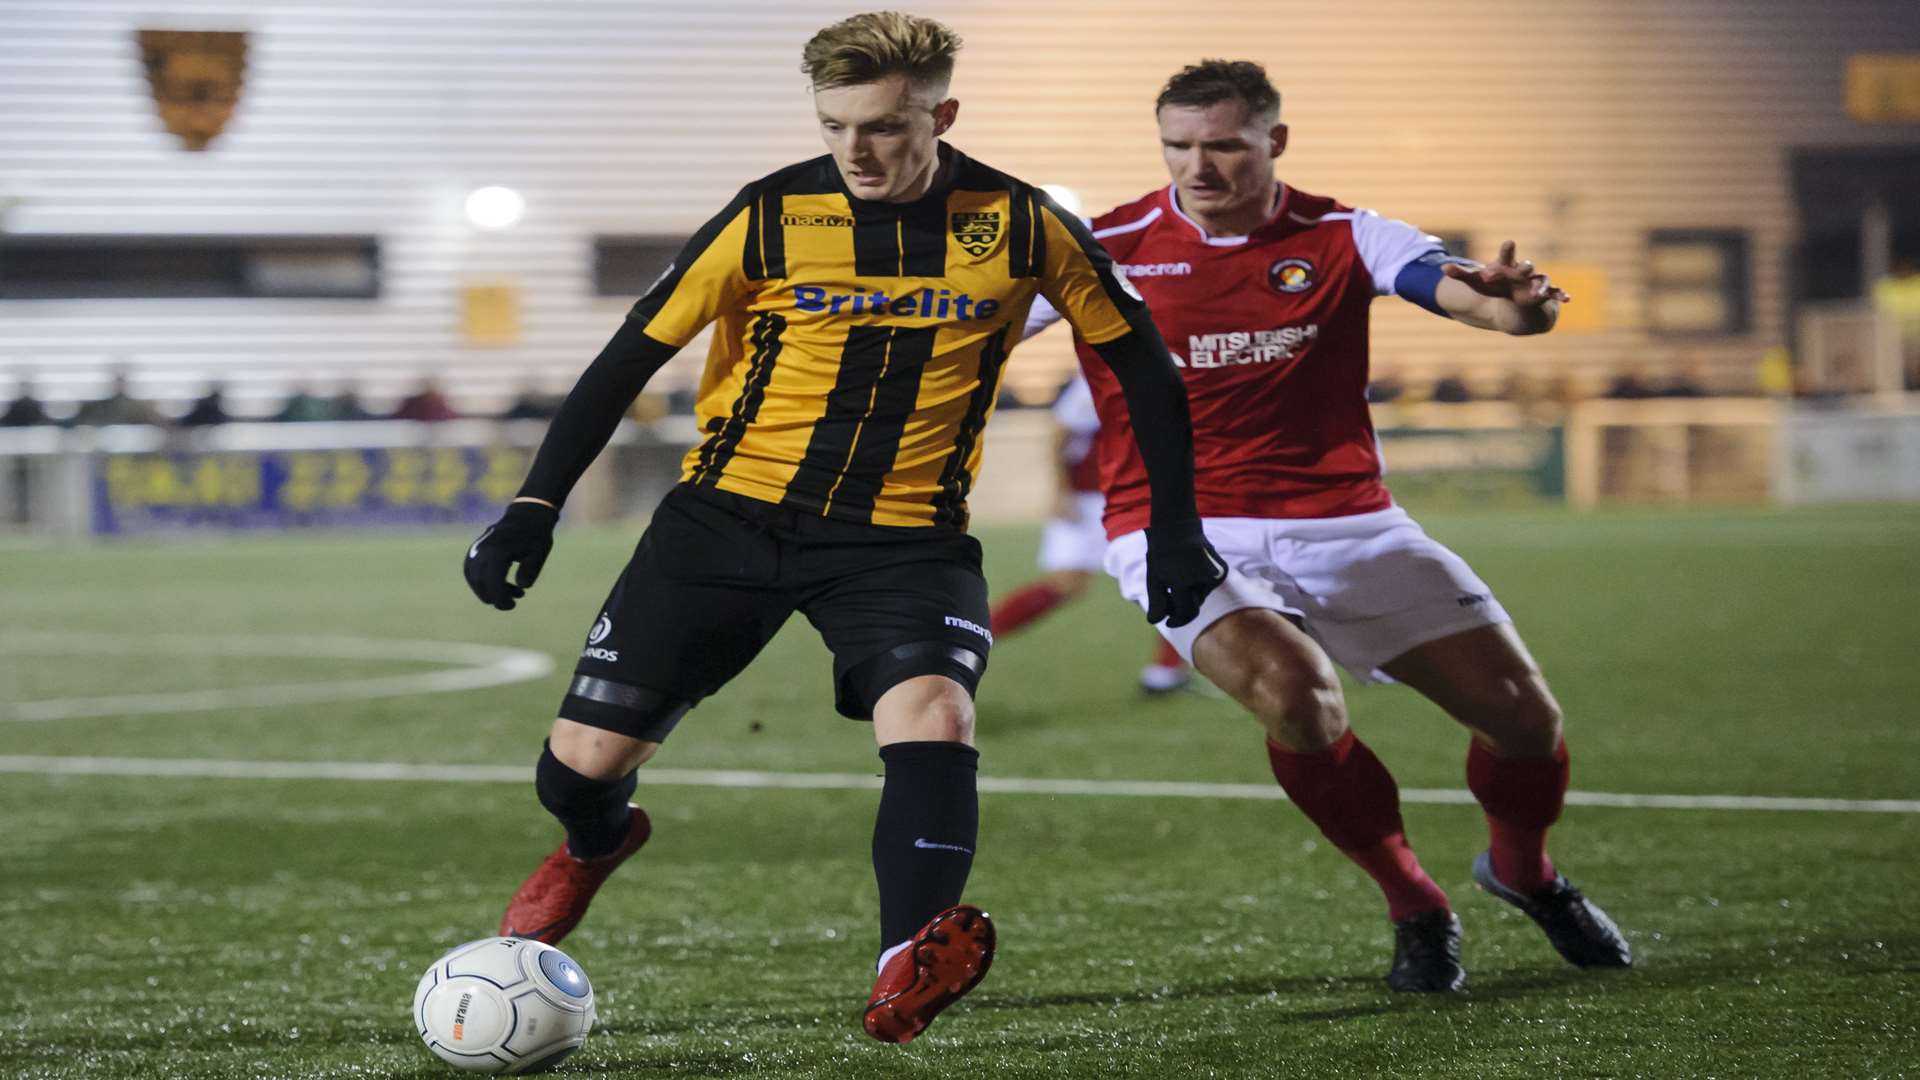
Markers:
1074,544
866,303
1262,293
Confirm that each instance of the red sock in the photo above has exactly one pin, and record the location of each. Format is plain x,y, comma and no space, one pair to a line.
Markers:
1522,798
1168,656
1349,794
1024,605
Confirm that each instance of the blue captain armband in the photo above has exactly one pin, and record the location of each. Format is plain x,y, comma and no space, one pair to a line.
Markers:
1419,280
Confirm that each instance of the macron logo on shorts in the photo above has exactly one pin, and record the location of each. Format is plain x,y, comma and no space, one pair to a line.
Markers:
968,624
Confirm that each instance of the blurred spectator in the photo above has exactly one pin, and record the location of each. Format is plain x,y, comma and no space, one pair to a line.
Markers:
1775,372
25,410
207,410
303,407
118,407
1629,385
346,406
1560,390
1523,390
680,401
531,404
1451,389
426,403
1898,295
1384,389
1690,381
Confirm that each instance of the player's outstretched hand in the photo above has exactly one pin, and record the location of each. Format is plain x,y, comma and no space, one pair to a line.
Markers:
1507,279
1182,568
524,535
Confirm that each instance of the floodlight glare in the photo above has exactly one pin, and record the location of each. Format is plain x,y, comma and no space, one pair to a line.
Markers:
495,207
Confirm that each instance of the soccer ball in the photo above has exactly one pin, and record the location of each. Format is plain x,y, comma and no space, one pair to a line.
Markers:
503,1005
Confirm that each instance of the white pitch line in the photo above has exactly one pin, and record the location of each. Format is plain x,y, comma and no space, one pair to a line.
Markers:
212,768
479,666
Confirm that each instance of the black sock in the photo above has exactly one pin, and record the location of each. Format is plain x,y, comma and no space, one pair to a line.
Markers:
924,835
594,812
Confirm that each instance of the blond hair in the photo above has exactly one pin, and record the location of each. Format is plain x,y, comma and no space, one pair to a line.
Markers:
867,48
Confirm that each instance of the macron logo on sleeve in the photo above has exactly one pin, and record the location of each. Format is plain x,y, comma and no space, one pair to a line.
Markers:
968,624
1159,269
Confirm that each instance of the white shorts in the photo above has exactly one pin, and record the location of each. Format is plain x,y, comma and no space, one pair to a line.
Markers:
1367,587
1079,542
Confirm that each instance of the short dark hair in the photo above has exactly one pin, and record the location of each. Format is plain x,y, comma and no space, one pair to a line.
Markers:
1209,81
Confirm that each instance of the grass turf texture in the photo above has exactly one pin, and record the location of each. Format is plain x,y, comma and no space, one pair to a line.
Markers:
253,928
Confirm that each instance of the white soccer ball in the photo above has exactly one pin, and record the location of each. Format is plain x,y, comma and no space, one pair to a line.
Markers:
504,1005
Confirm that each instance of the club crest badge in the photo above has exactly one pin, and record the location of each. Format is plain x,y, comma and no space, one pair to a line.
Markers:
1291,275
196,77
976,232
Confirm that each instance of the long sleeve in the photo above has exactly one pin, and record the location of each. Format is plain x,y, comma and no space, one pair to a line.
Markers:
592,411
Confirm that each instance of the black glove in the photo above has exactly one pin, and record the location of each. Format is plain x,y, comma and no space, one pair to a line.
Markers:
524,535
1182,568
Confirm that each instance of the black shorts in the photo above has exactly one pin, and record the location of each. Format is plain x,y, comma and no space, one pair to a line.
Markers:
716,575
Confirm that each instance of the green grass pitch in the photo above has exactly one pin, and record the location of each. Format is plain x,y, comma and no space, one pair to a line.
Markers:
193,927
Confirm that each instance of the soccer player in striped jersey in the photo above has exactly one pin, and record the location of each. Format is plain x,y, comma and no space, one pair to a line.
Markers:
864,305
1262,292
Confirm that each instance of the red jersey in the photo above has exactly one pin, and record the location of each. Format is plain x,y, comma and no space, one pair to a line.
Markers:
1270,333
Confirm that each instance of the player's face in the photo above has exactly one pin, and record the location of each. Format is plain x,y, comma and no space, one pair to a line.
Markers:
885,135
1220,157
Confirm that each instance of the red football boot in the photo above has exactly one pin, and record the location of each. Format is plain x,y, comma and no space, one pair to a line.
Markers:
550,903
945,960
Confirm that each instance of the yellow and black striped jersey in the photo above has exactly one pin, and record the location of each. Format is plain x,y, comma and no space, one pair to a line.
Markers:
860,344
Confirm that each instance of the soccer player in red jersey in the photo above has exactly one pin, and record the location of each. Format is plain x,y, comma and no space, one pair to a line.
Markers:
1262,293
1073,546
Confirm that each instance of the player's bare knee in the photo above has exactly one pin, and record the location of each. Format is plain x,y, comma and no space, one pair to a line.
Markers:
1519,717
924,709
1301,707
1297,700
1538,721
596,752
948,720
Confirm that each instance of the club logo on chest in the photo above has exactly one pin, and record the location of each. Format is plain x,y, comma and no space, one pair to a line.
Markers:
976,232
1291,275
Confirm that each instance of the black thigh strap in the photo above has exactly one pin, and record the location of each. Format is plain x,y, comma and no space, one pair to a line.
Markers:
634,711
863,686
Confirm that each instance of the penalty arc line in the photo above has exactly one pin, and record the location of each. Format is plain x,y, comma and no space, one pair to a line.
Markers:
217,769
472,667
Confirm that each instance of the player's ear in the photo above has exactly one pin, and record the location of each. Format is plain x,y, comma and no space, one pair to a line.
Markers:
1277,138
944,114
